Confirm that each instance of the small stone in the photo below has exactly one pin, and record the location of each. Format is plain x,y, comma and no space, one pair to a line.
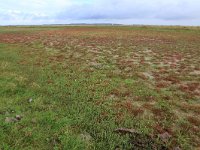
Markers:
126,131
10,120
165,136
148,75
34,120
30,100
18,117
177,148
86,137
96,65
13,119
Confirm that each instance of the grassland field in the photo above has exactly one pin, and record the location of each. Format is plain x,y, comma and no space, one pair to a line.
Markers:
99,88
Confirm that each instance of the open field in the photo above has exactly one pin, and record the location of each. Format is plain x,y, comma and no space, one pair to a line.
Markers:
72,87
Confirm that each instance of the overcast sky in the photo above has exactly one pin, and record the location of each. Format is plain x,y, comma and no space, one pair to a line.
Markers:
156,12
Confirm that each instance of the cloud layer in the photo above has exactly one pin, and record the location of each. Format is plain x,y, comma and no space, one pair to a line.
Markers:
179,12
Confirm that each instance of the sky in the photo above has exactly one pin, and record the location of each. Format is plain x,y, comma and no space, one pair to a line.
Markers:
148,12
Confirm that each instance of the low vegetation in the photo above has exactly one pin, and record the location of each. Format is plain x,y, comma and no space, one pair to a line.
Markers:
93,87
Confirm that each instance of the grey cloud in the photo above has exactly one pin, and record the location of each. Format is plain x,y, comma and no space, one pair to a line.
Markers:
129,9
105,10
177,12
16,14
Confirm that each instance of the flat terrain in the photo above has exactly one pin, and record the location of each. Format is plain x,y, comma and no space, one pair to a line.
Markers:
99,87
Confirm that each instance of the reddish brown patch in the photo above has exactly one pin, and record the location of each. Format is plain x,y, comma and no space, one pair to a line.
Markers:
88,70
163,71
119,117
39,64
60,58
23,62
173,79
128,105
194,129
132,109
191,89
162,84
104,114
192,107
25,38
99,102
148,106
158,112
137,111
193,120
193,86
160,129
142,76
50,81
123,91
166,97
150,98
183,88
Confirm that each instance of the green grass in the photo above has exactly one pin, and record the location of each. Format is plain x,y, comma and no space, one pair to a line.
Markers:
58,114
75,106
